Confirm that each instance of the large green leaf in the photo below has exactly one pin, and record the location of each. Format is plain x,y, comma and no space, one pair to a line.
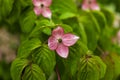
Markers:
62,6
77,27
100,17
91,68
27,21
27,47
17,67
5,7
33,72
25,3
45,58
109,16
71,63
116,60
92,29
109,75
41,26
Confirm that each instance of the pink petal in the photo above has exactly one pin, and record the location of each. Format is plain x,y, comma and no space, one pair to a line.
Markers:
62,50
85,5
46,3
69,39
36,3
94,6
47,13
58,32
52,43
37,10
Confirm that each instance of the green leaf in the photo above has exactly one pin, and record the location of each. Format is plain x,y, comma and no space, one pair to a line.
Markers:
47,31
25,3
62,6
33,72
92,29
77,27
17,67
116,60
15,13
109,75
27,21
91,68
45,58
72,61
66,28
5,7
27,47
40,26
101,65
100,17
109,16
67,15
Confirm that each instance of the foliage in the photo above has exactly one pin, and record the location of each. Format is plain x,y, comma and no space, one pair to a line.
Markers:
93,57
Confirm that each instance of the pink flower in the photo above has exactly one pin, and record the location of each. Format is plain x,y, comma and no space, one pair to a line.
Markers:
90,5
60,41
42,7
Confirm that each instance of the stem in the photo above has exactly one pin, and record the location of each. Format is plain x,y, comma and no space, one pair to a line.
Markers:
100,50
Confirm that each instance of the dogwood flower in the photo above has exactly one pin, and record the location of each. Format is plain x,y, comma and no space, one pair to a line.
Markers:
60,41
42,7
90,5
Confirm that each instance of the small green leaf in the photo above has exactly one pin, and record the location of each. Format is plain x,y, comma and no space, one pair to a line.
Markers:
47,31
17,67
27,47
33,72
67,15
66,28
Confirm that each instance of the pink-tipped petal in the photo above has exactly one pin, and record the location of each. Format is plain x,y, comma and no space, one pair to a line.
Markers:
69,39
94,6
52,43
47,12
46,3
37,11
62,50
85,5
58,32
36,3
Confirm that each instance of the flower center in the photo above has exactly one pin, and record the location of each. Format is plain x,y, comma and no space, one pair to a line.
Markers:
42,5
60,40
89,1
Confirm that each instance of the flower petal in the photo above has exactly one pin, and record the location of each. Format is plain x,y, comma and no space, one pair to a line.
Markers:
47,12
85,5
69,39
58,32
52,43
62,50
94,6
46,3
37,10
37,3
